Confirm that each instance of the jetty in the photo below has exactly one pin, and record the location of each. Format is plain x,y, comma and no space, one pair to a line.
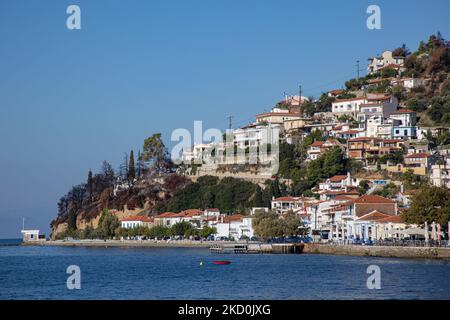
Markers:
257,248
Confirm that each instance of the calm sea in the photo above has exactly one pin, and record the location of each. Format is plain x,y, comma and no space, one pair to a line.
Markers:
168,273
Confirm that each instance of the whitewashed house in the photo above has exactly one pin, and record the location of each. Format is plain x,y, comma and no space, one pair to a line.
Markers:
136,221
235,226
386,59
347,106
30,235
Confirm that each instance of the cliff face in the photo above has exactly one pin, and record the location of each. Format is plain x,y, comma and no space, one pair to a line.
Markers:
81,208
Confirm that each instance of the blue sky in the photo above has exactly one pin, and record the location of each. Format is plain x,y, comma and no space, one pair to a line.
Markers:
70,99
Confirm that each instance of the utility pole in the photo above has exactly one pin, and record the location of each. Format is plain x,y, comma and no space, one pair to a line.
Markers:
229,122
300,99
357,70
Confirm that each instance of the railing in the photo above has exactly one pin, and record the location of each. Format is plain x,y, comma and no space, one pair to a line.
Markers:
395,243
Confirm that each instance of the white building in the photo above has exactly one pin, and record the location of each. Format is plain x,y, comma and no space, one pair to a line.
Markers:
440,175
408,83
338,182
277,116
347,106
386,59
377,106
405,117
30,235
297,205
254,135
136,221
235,226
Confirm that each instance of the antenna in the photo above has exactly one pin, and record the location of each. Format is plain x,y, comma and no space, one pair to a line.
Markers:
23,223
230,126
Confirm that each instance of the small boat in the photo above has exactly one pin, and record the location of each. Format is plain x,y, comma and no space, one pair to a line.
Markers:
221,262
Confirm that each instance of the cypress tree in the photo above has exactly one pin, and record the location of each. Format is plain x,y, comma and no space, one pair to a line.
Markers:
131,170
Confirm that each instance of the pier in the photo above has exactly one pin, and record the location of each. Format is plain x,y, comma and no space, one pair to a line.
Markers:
257,248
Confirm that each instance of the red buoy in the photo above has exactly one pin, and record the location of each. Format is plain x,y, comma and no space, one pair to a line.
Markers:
221,262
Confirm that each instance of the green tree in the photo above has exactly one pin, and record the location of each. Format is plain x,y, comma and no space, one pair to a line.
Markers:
388,191
269,225
108,224
180,228
72,220
159,231
258,199
429,204
155,153
363,187
205,232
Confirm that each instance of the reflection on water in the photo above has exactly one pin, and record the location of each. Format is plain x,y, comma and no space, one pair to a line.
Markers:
171,273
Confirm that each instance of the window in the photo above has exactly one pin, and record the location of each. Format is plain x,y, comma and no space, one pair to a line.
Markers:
397,131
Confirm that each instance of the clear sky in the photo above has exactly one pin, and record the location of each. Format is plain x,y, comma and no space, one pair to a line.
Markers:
72,98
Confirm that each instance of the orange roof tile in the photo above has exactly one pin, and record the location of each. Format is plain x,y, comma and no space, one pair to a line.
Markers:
418,155
338,178
137,218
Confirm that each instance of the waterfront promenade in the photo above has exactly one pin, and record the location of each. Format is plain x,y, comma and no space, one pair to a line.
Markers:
308,248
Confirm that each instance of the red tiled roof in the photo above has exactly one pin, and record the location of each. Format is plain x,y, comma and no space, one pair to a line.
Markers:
418,155
317,144
287,114
373,104
393,219
167,215
191,212
291,199
337,91
393,140
362,139
350,99
403,111
379,98
342,192
236,217
369,198
137,218
373,216
338,178
343,198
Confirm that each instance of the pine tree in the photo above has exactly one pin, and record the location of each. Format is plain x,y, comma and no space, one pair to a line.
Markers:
131,169
89,185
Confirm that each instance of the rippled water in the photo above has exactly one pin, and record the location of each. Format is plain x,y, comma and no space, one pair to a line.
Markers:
170,273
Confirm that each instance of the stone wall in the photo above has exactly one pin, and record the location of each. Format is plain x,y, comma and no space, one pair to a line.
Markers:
375,251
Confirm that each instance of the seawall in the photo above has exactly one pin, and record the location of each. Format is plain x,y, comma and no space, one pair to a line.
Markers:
308,248
119,243
378,251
